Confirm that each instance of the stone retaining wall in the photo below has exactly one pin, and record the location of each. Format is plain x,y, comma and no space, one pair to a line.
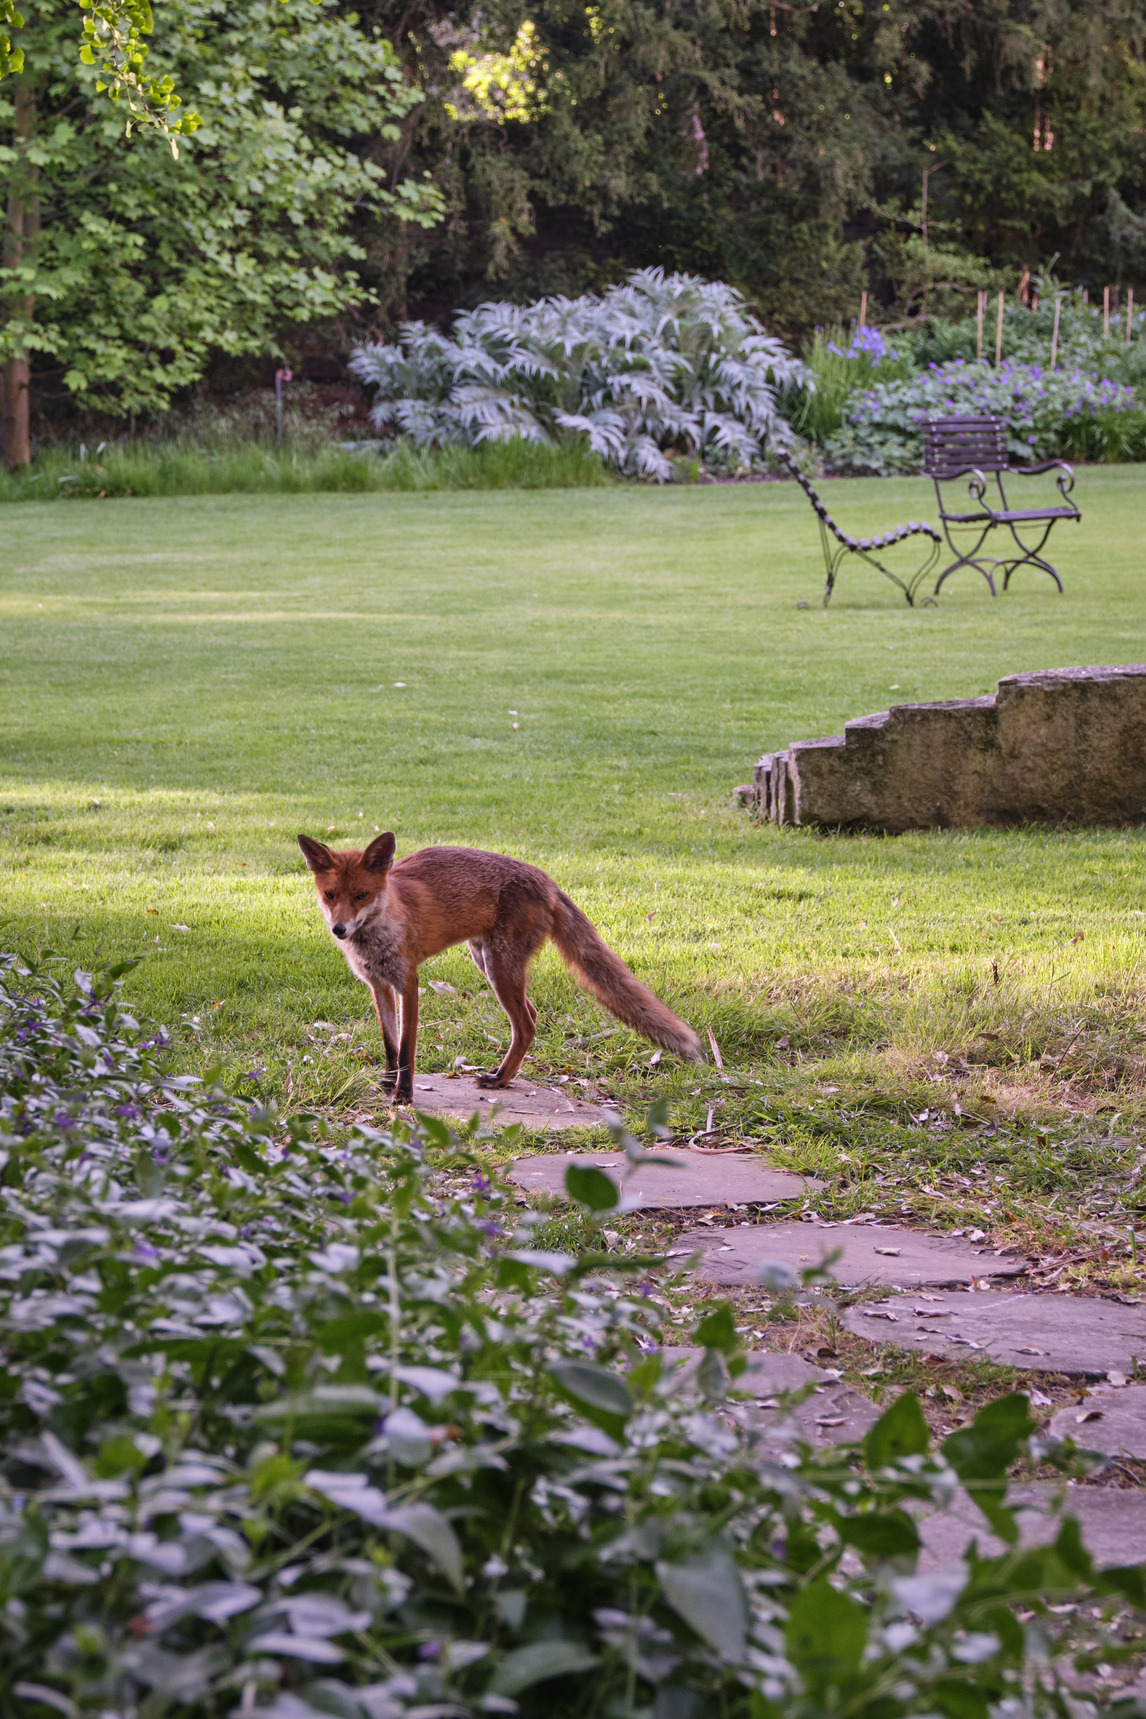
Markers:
1060,746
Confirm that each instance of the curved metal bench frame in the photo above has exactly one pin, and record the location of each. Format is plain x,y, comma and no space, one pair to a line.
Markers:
865,547
976,448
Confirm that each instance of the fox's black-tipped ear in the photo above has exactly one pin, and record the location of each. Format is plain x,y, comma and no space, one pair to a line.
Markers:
316,854
379,856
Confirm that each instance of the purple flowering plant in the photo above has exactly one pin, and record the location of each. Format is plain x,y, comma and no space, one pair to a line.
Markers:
1049,414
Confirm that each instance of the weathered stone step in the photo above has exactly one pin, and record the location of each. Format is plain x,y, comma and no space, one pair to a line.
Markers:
1045,1333
1112,1520
693,1179
1110,1420
525,1101
1053,746
868,1255
833,1414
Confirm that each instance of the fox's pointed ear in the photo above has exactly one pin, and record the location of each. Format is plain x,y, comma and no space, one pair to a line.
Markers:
316,854
379,856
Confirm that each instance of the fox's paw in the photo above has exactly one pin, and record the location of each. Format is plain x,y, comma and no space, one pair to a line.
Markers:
402,1092
493,1079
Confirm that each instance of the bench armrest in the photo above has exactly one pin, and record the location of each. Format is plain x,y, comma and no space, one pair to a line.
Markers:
1064,483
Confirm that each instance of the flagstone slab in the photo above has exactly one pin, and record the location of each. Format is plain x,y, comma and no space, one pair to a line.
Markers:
1111,1420
525,1101
1045,1333
833,1413
692,1178
1112,1520
869,1255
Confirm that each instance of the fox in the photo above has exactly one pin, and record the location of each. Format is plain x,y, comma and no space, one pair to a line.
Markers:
390,918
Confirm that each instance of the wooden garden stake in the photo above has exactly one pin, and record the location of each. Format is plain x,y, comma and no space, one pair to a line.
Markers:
863,308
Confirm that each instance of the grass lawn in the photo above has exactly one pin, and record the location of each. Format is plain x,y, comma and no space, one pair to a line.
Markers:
943,1025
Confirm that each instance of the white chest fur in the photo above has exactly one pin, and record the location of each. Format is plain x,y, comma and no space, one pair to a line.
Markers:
373,953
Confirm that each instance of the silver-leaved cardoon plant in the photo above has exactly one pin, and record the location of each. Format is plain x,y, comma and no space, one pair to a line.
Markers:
665,365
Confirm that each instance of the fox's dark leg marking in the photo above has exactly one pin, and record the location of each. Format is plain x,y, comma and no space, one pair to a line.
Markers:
385,1007
408,1043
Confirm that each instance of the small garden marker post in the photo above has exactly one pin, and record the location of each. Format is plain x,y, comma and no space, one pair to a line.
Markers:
863,308
1106,313
1054,332
980,312
999,329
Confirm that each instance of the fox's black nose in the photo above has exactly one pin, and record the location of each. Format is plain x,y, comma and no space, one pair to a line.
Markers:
339,930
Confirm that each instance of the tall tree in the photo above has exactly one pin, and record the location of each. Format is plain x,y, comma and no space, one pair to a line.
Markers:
131,267
780,144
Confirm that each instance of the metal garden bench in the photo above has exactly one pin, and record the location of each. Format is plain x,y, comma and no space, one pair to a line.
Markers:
866,547
977,448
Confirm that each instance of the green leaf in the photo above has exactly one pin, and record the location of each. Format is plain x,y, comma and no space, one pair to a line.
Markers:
986,1449
584,1182
430,1530
901,1431
601,1396
712,1375
708,1594
118,1456
826,1634
888,1534
537,1662
717,1330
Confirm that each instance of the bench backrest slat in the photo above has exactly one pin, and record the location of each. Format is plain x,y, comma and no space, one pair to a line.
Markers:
950,445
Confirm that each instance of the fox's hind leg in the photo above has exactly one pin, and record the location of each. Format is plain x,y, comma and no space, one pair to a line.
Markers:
385,1009
507,976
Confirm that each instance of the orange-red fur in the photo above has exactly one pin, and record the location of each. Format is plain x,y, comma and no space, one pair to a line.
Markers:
390,918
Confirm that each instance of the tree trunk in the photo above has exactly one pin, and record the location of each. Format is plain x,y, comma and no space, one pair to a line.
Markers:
20,235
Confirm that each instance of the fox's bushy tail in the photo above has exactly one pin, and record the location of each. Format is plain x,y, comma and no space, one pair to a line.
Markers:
605,976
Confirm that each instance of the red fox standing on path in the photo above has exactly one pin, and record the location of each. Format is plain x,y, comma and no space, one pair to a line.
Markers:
390,918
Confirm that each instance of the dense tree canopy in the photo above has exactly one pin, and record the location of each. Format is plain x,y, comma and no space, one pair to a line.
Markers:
125,267
777,145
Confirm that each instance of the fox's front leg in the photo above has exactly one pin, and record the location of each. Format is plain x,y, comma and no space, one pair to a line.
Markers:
408,1042
385,1007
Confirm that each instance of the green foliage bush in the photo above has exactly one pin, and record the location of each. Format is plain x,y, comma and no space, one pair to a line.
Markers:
294,1424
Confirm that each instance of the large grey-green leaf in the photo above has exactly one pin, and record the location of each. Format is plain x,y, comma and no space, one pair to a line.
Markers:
708,1594
540,1660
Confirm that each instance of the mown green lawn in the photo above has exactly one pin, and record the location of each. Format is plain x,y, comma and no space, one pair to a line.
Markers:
186,683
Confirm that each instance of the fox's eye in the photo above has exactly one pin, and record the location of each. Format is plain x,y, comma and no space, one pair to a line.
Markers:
328,895
361,896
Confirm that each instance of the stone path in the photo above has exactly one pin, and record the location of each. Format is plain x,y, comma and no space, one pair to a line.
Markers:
1110,1420
1047,1333
695,1179
1112,1519
903,1258
833,1414
525,1101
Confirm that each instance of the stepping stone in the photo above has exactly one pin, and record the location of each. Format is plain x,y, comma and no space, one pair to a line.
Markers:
833,1414
525,1101
868,1255
1046,1333
694,1179
1112,1520
1112,1421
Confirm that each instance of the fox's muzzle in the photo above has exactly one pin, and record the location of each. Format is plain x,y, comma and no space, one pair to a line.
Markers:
339,930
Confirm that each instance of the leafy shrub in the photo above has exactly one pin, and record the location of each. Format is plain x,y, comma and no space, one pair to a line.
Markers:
1027,338
662,368
298,1426
1048,413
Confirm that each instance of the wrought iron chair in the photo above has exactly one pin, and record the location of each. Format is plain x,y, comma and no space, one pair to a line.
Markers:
977,448
865,547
